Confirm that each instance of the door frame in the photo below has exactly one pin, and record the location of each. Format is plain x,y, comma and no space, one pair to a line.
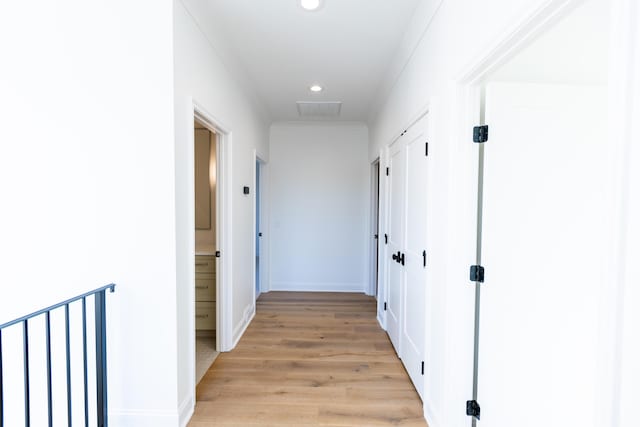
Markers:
469,101
383,213
374,229
223,229
259,200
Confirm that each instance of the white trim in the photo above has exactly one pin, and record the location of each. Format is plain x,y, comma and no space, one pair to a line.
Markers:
239,330
515,38
185,410
623,104
259,227
224,225
143,418
373,229
383,279
319,287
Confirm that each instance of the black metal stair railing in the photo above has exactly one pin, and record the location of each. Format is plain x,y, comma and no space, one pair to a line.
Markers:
100,396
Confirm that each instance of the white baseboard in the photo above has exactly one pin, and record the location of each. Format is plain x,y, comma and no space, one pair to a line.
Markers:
185,411
430,416
318,287
142,418
239,330
381,321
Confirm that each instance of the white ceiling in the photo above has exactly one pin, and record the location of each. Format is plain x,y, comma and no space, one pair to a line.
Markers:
347,47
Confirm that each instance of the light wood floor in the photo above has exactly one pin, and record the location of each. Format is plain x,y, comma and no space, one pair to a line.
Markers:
309,359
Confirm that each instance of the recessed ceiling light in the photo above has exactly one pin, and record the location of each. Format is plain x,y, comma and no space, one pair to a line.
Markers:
316,88
310,4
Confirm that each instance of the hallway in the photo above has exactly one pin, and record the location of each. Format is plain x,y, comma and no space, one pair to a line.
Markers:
309,359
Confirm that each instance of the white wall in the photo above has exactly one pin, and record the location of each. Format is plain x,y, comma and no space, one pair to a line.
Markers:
319,207
202,77
87,181
441,48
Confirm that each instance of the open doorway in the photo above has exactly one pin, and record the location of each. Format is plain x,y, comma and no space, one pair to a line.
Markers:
258,227
206,246
375,226
544,225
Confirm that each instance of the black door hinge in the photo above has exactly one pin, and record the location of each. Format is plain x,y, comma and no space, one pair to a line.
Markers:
217,254
424,258
375,236
386,239
426,149
387,171
473,409
385,306
401,258
422,368
476,273
481,133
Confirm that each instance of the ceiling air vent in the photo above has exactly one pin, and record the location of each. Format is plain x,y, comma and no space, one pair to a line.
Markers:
319,109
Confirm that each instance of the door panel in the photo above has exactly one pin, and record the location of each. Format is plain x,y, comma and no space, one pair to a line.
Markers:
543,250
397,177
413,324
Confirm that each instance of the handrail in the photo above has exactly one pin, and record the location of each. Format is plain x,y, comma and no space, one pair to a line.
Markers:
111,287
100,325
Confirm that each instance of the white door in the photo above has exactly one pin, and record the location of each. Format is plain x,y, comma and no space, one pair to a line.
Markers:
415,254
397,200
543,249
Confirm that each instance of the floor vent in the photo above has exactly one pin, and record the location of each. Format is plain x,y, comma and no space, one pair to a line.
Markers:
319,109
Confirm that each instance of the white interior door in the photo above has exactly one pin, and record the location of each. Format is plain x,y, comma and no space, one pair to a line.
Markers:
543,249
415,250
397,200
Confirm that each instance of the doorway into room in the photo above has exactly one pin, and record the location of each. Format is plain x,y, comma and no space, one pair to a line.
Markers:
544,226
375,226
206,246
258,227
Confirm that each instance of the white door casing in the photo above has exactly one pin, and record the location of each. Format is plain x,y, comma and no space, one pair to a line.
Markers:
415,253
406,259
397,178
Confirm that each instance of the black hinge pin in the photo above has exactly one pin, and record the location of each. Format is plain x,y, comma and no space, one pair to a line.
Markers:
481,133
385,306
422,368
426,149
473,409
476,273
424,258
387,171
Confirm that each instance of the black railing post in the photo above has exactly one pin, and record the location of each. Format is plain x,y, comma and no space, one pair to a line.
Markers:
84,357
48,344
25,352
101,358
68,353
1,386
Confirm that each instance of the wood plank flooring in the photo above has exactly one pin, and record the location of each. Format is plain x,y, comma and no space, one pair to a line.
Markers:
309,359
